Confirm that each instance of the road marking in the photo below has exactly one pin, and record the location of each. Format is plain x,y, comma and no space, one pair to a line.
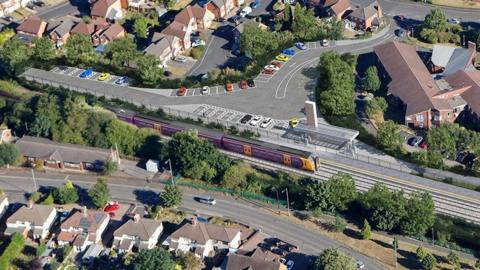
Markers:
293,64
203,56
290,76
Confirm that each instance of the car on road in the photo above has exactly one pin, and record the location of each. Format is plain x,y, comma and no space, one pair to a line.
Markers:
251,83
301,46
453,21
122,80
293,122
86,73
205,90
415,140
282,58
182,91
229,87
289,52
400,32
399,17
246,119
271,67
245,11
360,265
111,207
324,43
256,119
180,59
266,122
198,42
103,76
243,84
207,200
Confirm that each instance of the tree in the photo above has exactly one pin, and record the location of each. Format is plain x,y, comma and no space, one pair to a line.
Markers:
109,167
421,253
339,224
6,34
15,53
9,154
334,259
141,25
99,193
43,49
366,231
477,264
429,262
371,82
305,24
453,258
420,214
149,70
335,194
41,127
35,196
389,137
436,20
48,200
40,249
153,259
189,261
442,140
66,194
79,49
121,51
375,108
172,196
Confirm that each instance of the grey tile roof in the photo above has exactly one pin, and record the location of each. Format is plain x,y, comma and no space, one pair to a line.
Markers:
144,228
202,232
36,215
158,48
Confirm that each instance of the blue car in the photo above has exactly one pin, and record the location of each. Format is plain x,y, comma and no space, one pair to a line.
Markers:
300,46
255,4
122,80
86,73
289,52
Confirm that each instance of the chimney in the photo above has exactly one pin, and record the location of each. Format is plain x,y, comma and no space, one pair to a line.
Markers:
84,211
136,218
30,204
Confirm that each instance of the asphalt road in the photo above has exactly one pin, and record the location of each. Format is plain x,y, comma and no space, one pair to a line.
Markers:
310,243
65,8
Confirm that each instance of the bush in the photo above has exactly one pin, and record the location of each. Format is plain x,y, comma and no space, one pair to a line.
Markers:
14,248
339,225
197,52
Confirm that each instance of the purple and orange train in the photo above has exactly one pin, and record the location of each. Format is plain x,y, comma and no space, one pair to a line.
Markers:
275,153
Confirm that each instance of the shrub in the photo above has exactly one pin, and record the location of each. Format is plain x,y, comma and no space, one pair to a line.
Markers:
196,52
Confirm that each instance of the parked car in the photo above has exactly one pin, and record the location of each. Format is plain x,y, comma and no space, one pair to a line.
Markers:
31,6
39,3
167,73
324,43
180,59
399,32
182,91
268,71
246,119
229,87
255,4
360,265
256,119
289,52
245,11
423,145
266,122
282,58
290,264
271,67
454,21
243,84
86,73
206,200
9,18
414,141
111,207
301,46
205,90
277,63
235,19
198,42
63,68
294,122
103,76
251,83
122,80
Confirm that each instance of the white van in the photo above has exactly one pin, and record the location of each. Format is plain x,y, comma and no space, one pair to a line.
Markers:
245,11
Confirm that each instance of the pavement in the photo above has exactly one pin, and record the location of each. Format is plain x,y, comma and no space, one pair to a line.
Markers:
16,183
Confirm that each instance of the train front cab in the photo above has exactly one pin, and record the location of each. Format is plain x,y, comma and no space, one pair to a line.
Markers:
311,163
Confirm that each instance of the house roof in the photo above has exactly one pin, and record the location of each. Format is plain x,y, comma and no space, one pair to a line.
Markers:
45,148
240,262
84,28
36,215
113,31
32,25
411,81
64,28
365,12
337,6
464,78
202,232
90,221
158,48
175,29
144,228
254,241
218,3
100,8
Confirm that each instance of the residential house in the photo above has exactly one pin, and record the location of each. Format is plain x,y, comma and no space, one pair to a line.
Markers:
3,205
64,156
107,9
103,36
427,102
60,33
333,8
32,220
204,238
5,135
143,6
9,6
368,16
83,228
142,233
93,251
470,81
241,262
447,59
31,28
221,8
202,17
164,47
180,31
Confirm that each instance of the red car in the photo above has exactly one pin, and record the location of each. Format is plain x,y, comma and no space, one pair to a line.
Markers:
268,71
277,63
423,145
182,91
229,87
111,207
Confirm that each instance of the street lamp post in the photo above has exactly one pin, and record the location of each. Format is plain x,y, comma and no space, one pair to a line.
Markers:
34,181
171,171
288,201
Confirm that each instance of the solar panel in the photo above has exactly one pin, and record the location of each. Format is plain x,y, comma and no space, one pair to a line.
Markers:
84,222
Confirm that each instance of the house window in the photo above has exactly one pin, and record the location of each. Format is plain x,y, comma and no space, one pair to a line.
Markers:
419,117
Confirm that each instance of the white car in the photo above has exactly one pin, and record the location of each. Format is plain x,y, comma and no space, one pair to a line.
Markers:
205,90
360,265
245,11
454,20
198,42
180,59
324,43
206,200
266,122
257,119
272,67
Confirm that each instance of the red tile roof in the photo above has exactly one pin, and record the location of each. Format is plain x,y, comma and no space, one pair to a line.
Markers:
468,78
114,31
33,25
100,8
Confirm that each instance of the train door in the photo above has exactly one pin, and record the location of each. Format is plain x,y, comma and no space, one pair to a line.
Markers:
247,150
316,160
287,160
156,126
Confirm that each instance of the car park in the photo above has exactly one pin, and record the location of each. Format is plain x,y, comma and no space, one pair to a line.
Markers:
86,73
251,83
246,119
182,91
205,200
103,76
256,119
266,122
271,67
414,141
324,43
243,84
282,58
245,11
122,80
300,46
229,87
289,52
277,63
180,59
293,122
205,90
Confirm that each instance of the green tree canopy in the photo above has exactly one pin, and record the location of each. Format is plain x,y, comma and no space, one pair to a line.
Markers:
420,214
429,262
453,258
371,81
172,196
66,194
366,231
41,126
79,50
141,25
149,70
389,137
334,259
335,194
153,259
15,53
121,51
99,193
421,253
9,154
189,261
43,49
436,20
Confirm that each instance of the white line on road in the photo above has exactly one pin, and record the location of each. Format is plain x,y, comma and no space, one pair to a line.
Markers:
199,64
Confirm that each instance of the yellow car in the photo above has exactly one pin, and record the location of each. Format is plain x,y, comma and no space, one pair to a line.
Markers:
282,58
294,122
103,76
